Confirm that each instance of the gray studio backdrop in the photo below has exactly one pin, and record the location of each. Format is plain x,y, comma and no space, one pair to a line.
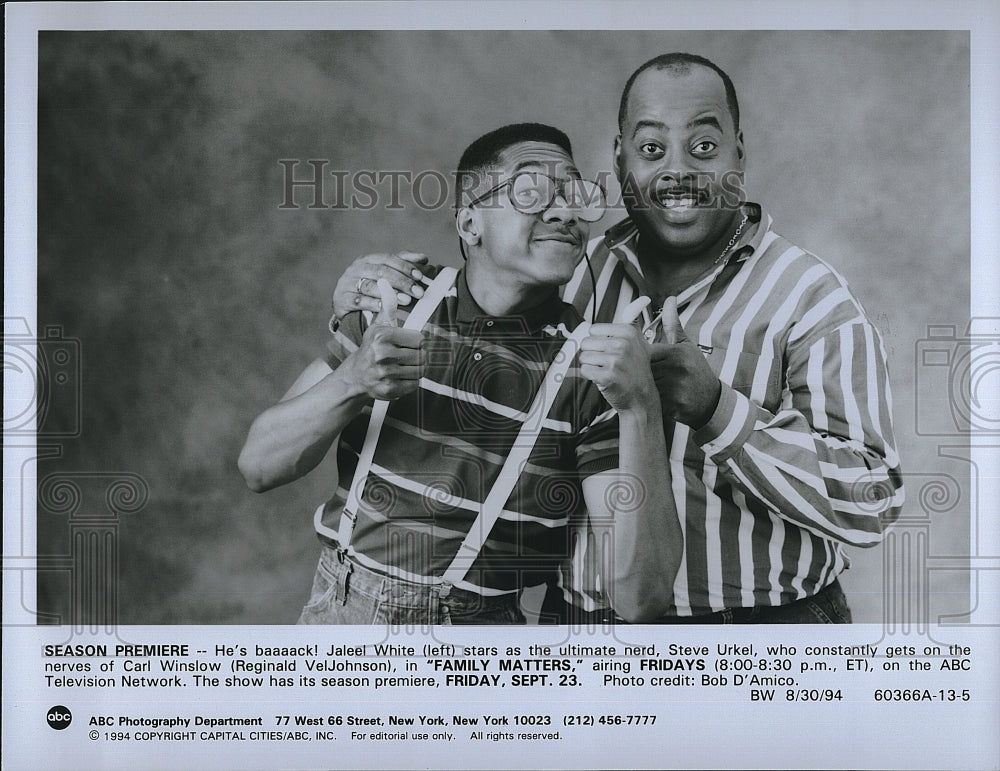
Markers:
196,299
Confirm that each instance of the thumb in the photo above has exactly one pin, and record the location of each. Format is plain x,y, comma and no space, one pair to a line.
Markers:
386,316
631,312
673,332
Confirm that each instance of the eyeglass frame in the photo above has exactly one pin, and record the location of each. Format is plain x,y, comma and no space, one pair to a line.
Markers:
558,189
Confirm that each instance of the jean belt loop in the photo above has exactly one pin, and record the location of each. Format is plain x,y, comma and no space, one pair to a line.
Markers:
443,593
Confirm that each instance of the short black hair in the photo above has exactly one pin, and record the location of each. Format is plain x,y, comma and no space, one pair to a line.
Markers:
680,64
484,154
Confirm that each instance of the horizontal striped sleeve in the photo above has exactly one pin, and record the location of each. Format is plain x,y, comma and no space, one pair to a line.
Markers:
827,460
597,444
597,435
345,340
348,332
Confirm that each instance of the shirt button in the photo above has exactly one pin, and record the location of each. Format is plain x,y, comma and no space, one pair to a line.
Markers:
477,356
489,323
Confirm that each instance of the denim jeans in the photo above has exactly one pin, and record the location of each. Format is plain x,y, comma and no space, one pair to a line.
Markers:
344,592
827,606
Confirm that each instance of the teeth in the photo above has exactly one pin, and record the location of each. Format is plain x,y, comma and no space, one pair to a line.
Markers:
678,203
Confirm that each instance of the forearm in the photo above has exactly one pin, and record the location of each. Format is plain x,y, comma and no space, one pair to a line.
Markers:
290,439
647,541
840,488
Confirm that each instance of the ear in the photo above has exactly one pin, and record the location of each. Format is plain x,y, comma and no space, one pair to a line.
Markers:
467,225
741,151
618,158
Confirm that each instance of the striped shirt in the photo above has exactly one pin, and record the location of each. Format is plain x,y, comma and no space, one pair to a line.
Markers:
798,459
442,448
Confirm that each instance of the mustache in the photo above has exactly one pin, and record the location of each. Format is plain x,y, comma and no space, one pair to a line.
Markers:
671,187
707,189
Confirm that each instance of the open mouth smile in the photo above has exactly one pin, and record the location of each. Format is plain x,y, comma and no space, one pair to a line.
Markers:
680,199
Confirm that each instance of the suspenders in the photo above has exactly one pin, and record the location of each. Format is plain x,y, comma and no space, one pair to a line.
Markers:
492,507
418,317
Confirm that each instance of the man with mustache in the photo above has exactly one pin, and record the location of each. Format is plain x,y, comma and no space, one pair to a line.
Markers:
775,394
469,438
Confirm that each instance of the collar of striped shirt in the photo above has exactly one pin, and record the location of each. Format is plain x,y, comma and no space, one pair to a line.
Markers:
625,230
625,233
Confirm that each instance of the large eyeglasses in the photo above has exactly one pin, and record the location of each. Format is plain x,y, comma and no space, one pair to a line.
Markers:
531,192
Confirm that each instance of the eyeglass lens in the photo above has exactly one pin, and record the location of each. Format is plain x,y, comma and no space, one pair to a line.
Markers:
531,193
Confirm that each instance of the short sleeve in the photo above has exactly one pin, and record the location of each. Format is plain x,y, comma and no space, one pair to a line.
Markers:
345,339
597,440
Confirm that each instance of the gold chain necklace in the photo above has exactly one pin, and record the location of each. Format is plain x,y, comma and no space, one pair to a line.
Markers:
732,240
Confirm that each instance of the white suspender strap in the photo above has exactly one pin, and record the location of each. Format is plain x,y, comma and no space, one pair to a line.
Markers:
492,507
421,312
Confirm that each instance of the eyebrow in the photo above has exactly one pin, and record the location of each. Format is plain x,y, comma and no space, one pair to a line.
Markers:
655,124
543,165
705,120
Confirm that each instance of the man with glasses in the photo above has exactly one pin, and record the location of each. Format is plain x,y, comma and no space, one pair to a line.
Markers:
471,437
774,386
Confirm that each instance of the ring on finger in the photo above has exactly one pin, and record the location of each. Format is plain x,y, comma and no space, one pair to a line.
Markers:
359,286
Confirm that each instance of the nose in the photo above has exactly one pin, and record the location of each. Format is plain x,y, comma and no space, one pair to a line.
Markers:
560,210
675,165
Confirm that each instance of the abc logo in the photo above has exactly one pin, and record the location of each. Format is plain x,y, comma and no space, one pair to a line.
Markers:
59,718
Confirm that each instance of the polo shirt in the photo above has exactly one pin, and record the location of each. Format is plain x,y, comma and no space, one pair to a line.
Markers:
799,459
442,447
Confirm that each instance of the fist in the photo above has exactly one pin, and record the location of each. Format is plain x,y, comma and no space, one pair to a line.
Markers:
688,388
387,364
615,358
